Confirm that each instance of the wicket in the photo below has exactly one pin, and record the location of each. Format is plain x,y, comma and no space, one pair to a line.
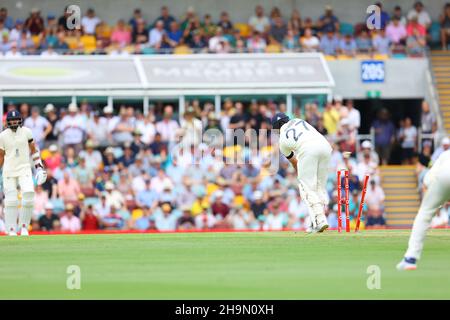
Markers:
345,201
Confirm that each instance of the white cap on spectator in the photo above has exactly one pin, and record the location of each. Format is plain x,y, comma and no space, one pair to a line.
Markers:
366,144
109,185
167,185
49,108
218,194
446,141
338,98
108,109
257,195
49,206
53,148
73,107
345,122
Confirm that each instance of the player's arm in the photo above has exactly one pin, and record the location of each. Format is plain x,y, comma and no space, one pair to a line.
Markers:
289,154
35,154
2,158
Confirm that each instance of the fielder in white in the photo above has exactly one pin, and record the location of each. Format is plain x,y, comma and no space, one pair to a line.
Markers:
309,153
16,145
437,184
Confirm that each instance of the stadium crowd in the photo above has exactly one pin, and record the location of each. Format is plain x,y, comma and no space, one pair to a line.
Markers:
402,32
118,170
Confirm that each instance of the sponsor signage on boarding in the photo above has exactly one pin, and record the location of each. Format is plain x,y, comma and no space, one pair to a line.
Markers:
372,71
237,70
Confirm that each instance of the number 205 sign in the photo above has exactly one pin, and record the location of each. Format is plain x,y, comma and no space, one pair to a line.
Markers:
372,71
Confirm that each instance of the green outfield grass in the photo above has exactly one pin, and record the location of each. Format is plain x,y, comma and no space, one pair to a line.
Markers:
282,265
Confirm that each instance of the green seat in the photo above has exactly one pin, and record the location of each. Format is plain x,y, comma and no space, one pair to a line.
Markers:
346,28
435,32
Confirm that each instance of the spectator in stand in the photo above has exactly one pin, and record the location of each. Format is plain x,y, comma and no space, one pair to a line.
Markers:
143,222
166,18
444,20
208,27
384,16
278,30
291,41
121,35
40,127
422,16
382,44
414,27
61,45
396,32
73,129
123,130
225,22
15,33
68,188
70,222
347,46
219,209
198,42
48,219
309,42
7,20
90,21
329,44
259,22
353,115
295,22
328,21
427,120
13,51
218,43
134,20
35,24
331,118
140,32
174,33
363,42
445,145
367,148
167,220
256,43
408,139
398,15
89,220
156,34
375,218
416,43
113,220
384,135
167,127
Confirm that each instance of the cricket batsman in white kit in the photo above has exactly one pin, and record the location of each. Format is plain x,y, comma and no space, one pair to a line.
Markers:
437,184
309,153
16,145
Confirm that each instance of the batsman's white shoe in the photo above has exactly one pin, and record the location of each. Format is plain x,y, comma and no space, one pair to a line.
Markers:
24,232
407,264
319,226
12,234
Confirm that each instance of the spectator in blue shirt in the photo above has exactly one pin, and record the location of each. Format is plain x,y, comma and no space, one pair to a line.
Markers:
143,223
165,17
381,42
7,20
174,33
347,45
384,135
328,22
147,197
329,43
384,16
363,42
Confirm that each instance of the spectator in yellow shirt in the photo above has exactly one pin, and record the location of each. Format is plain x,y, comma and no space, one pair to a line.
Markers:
331,118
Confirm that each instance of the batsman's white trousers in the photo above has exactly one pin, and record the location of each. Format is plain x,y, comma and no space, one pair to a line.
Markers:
437,194
25,182
312,168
